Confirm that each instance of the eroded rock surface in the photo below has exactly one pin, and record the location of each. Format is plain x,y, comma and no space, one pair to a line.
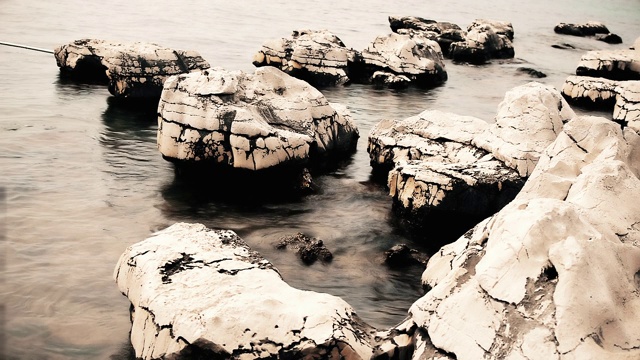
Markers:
590,91
316,56
612,64
444,33
554,275
627,107
413,56
131,69
485,40
196,290
259,121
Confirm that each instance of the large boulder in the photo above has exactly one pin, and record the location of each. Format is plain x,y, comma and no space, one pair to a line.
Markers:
627,107
413,56
554,275
266,120
590,91
610,64
136,69
529,118
444,32
316,56
201,293
485,40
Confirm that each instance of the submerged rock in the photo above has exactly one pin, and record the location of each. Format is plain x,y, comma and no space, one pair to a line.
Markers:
414,56
532,72
309,249
199,291
609,38
610,64
316,56
402,255
136,70
253,122
485,40
591,28
552,275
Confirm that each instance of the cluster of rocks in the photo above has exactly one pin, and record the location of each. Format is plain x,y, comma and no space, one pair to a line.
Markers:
552,275
592,28
608,80
442,163
308,249
265,123
136,70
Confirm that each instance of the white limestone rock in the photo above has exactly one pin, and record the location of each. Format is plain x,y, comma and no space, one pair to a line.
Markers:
250,121
434,166
316,56
627,106
444,33
415,56
199,291
133,69
529,118
610,64
485,40
553,275
590,91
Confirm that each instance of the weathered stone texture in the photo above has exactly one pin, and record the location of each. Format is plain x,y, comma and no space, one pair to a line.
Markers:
250,121
590,91
627,107
131,69
196,290
611,64
485,40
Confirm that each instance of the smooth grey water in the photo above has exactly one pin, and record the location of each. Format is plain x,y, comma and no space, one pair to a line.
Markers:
81,179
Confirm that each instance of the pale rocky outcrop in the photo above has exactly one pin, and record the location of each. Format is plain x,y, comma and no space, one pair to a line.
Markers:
485,40
528,119
627,107
444,33
611,64
590,91
131,69
250,121
413,56
554,275
201,292
316,56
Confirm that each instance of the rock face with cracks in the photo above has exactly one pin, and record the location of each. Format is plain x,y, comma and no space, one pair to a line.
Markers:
250,121
413,56
196,291
612,64
136,70
627,107
317,56
554,275
590,91
485,40
444,33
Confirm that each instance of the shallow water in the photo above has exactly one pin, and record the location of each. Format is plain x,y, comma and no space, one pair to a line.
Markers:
81,178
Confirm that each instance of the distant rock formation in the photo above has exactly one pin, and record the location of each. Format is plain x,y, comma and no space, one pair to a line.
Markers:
592,28
485,40
133,70
610,64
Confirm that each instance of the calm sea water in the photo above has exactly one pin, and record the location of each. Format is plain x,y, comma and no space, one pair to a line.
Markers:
81,179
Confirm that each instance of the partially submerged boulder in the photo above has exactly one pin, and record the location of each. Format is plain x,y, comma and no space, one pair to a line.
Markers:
196,291
485,40
444,32
555,273
401,255
610,64
308,249
590,91
590,28
316,56
413,56
136,70
256,122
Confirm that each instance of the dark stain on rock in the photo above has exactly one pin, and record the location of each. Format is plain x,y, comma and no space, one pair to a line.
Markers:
175,266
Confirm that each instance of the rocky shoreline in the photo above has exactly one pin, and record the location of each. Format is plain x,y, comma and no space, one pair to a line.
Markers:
550,269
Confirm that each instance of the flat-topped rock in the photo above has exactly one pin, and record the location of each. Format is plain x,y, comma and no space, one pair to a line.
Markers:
413,56
132,69
485,40
627,106
199,293
259,121
610,64
316,56
552,275
529,118
590,91
590,28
